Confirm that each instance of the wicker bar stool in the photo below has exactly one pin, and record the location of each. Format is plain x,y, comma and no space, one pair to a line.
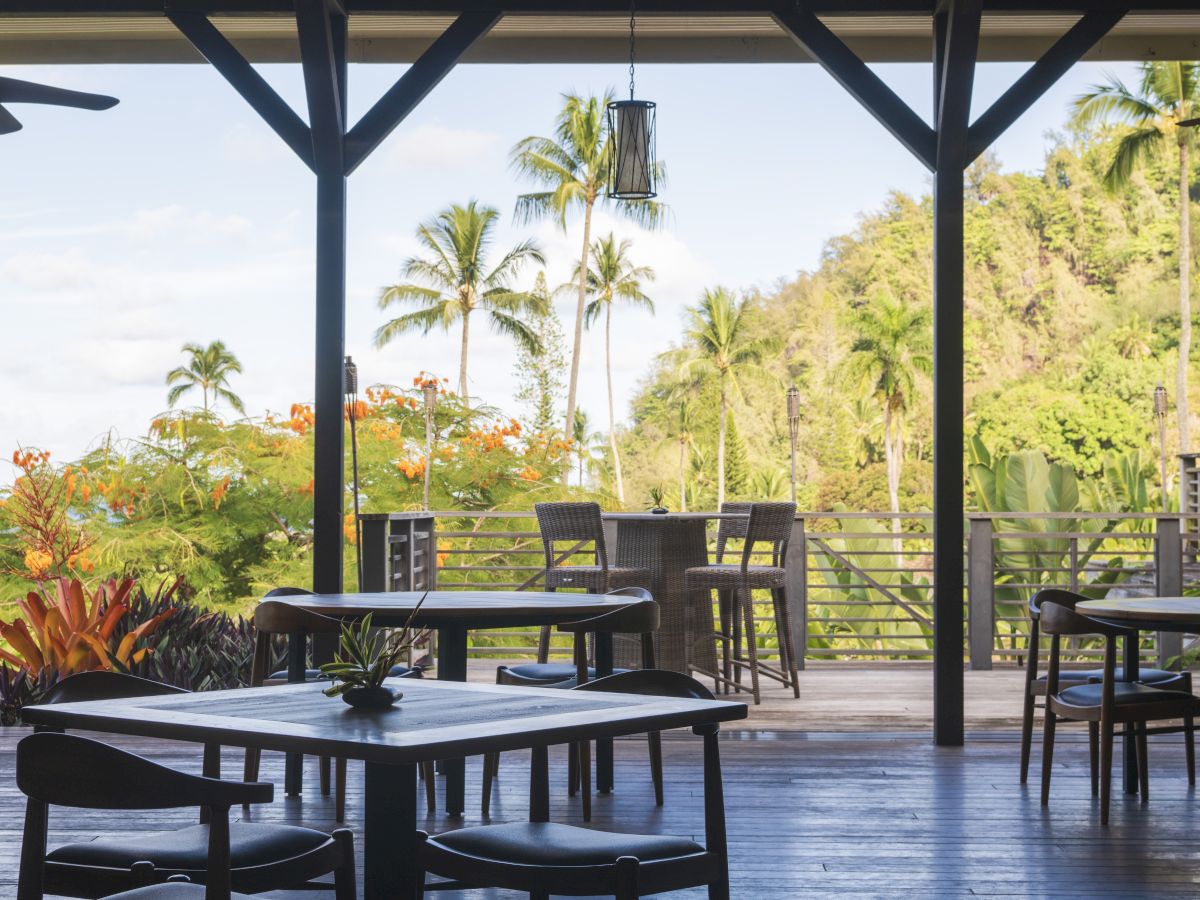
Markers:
765,523
274,618
579,524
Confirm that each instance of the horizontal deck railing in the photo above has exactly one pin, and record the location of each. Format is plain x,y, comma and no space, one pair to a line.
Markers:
867,591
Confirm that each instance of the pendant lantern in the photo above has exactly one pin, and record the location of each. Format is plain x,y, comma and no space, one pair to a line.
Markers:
632,166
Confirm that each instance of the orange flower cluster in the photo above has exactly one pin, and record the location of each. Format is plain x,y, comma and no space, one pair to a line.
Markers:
443,553
493,439
38,563
303,418
550,444
529,473
412,470
383,430
219,492
427,379
308,488
359,410
348,529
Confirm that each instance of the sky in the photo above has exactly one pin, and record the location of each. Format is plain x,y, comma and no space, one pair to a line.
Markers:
179,217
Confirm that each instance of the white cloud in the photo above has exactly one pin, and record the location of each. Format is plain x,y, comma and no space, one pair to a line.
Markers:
436,147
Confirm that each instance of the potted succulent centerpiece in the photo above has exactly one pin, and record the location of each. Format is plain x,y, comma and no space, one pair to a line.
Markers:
364,659
656,497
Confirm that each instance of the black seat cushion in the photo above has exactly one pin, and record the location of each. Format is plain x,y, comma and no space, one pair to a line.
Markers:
171,892
552,844
1146,676
315,674
547,671
1124,693
250,844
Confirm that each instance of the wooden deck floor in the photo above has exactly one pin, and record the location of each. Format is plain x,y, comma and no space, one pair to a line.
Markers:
818,816
850,697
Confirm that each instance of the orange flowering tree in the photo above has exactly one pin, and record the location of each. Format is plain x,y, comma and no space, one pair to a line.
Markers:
229,505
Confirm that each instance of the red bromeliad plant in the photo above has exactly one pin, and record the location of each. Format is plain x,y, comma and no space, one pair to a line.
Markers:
70,632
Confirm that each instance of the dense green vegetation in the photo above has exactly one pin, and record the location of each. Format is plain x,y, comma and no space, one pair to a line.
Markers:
1072,319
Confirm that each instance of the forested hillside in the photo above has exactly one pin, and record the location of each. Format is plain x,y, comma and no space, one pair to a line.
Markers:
1071,321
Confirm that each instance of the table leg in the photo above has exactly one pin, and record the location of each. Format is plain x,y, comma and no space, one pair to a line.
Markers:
390,832
604,746
452,666
1129,760
293,773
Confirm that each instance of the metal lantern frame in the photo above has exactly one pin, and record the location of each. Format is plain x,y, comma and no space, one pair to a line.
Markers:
635,158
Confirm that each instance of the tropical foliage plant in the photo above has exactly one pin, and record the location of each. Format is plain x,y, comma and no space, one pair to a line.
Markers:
365,656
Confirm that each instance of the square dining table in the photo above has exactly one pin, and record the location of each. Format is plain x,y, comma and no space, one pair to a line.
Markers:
435,720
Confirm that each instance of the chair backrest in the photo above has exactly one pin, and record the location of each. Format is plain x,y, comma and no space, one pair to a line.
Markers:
103,685
650,682
1057,619
732,529
767,523
69,770
571,522
1061,596
277,617
641,617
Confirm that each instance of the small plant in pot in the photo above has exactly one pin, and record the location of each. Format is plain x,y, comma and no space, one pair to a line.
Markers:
363,661
656,497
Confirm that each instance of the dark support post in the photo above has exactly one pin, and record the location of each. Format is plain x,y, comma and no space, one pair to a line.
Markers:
981,592
796,567
955,71
1168,582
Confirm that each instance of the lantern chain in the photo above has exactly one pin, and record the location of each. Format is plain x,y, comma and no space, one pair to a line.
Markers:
632,44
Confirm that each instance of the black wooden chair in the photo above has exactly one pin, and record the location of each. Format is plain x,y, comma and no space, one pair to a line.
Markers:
272,618
765,523
1035,681
577,525
72,771
639,619
543,858
1106,704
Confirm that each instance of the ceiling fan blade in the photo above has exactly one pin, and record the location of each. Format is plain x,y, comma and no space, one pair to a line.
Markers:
13,90
8,122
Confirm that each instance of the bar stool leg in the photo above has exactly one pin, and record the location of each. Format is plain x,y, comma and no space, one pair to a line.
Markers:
724,610
783,622
746,599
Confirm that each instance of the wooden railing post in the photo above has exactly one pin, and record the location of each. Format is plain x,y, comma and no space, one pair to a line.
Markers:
796,566
1168,582
981,593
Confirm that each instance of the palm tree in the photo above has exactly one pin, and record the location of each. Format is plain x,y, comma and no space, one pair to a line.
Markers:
454,281
208,368
1132,338
683,426
581,437
771,485
1159,113
572,166
893,347
722,346
613,277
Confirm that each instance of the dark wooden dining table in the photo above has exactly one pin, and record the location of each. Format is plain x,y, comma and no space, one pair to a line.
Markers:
1179,615
453,614
435,720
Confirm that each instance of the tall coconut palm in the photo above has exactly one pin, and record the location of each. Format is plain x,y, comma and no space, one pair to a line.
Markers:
208,368
893,347
612,278
572,166
722,346
1157,115
684,424
582,439
454,280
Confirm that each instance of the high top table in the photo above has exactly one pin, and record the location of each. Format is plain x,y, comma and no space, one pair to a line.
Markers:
433,721
1174,614
668,544
454,614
